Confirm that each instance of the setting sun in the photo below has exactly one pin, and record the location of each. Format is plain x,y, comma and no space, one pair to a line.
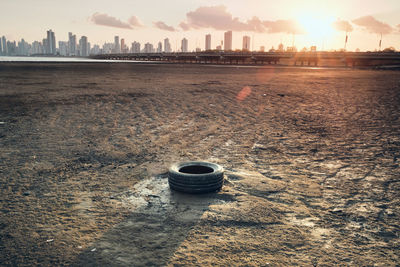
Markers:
316,27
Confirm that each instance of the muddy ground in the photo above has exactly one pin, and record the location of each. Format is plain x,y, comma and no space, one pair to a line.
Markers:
311,158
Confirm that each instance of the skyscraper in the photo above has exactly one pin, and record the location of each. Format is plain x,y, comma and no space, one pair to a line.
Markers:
71,44
208,42
83,46
123,48
4,45
45,46
63,48
51,43
167,46
135,47
159,47
184,45
37,48
117,47
246,43
228,41
95,50
23,48
148,48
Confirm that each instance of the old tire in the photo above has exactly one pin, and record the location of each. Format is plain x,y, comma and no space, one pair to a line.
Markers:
195,177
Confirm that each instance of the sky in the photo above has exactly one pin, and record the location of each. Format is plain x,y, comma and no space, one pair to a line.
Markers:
303,23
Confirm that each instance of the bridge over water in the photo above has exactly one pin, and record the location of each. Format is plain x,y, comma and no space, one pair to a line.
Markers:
263,58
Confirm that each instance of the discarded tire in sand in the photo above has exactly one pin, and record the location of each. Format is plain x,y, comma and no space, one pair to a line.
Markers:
196,177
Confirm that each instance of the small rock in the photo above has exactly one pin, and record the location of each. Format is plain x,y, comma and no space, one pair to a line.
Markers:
93,250
26,193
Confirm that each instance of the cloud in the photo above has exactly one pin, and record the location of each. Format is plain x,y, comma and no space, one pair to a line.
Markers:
256,25
287,26
135,22
343,25
162,26
218,18
373,25
184,26
106,20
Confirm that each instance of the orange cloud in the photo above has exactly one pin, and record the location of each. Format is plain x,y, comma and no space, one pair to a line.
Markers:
106,20
162,26
373,25
343,25
218,18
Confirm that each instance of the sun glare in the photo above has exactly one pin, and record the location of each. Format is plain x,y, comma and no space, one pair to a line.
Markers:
316,27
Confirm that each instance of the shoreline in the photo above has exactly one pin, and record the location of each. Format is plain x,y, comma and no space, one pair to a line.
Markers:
266,66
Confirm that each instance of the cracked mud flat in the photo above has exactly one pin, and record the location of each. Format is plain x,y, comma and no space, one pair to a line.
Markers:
312,160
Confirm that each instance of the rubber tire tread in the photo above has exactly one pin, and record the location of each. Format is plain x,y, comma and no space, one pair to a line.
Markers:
185,180
219,183
195,190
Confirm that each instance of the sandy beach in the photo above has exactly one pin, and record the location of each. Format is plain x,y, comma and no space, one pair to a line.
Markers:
311,157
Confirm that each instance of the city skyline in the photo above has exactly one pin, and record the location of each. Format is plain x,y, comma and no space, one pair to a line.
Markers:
304,24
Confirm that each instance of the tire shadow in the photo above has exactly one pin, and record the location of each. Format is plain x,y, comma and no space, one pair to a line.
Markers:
159,223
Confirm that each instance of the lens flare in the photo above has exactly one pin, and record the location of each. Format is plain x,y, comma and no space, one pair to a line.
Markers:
245,92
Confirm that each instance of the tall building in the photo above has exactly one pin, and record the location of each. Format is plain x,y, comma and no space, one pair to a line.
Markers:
159,47
63,48
83,46
95,50
228,41
45,46
108,48
23,48
1,48
37,48
117,47
71,44
4,46
246,43
123,46
167,46
11,48
135,47
208,42
148,48
184,45
51,43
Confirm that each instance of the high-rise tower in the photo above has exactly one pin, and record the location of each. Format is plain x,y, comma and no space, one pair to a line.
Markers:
117,47
246,43
184,45
228,41
208,42
51,43
83,46
71,44
167,46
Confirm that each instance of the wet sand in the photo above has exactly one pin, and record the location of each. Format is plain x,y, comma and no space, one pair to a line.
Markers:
311,157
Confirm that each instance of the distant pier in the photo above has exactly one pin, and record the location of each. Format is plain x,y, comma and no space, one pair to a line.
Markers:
350,59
